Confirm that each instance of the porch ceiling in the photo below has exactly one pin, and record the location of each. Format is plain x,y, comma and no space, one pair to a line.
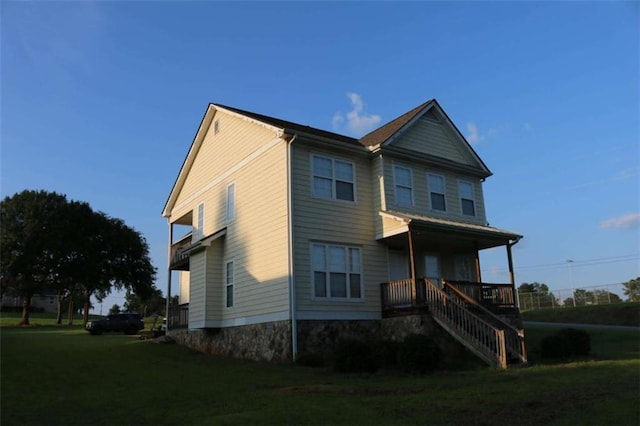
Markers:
442,233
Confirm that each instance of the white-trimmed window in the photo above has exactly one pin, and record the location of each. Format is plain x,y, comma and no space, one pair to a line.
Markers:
403,180
231,201
437,196
199,231
333,179
229,280
337,271
467,199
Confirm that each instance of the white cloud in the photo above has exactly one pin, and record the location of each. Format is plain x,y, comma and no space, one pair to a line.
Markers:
473,135
627,221
357,122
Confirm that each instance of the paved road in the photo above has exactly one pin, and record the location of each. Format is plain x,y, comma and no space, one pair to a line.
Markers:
597,326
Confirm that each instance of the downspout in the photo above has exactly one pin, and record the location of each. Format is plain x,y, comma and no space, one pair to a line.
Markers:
512,277
292,287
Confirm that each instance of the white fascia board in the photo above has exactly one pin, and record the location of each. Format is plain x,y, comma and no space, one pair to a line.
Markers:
278,130
188,162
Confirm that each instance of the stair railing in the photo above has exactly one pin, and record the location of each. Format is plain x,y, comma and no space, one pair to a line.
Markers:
514,338
483,339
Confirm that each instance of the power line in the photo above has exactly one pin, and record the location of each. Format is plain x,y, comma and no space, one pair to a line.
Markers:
575,263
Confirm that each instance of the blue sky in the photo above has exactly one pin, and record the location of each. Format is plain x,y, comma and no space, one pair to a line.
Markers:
101,100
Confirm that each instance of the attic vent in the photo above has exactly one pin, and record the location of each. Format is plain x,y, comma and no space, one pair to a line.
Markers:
216,127
431,115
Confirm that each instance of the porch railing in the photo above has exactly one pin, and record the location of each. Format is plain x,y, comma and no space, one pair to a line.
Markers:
400,294
498,295
178,256
178,316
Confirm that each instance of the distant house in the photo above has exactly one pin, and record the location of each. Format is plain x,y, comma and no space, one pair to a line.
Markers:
294,237
45,302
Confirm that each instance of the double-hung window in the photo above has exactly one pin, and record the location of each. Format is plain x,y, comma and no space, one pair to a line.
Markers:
467,202
403,180
231,201
337,271
229,280
199,231
437,192
333,179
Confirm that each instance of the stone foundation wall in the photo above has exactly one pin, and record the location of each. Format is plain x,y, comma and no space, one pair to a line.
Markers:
321,337
271,342
260,342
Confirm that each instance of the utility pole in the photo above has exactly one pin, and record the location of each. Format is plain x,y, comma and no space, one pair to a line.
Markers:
573,290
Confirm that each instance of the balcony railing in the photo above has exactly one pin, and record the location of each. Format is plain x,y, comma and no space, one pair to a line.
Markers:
408,293
489,295
180,259
178,316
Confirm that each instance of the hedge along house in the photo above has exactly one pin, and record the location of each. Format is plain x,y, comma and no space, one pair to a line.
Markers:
294,238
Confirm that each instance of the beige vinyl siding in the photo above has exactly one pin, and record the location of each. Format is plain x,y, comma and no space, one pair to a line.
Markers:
422,203
257,239
435,138
197,287
254,160
337,222
183,283
236,141
215,284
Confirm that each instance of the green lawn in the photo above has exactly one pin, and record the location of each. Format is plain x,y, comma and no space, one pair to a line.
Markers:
54,375
614,314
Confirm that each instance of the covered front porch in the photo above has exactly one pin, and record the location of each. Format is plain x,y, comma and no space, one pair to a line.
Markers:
434,268
447,254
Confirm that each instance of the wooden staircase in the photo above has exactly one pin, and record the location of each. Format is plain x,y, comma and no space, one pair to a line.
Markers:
484,333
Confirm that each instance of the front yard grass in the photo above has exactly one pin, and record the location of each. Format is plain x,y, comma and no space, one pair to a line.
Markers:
63,376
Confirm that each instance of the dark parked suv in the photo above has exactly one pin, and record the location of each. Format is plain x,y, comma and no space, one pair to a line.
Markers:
125,323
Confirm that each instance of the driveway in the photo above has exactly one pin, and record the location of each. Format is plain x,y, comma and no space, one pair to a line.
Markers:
596,326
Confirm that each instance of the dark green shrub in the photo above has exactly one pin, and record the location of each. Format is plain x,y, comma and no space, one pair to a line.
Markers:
418,354
386,352
566,343
353,356
310,360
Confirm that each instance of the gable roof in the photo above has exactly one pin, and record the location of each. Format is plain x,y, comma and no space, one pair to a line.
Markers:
373,139
381,134
291,127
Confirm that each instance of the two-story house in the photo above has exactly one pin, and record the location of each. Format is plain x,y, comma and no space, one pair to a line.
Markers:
294,237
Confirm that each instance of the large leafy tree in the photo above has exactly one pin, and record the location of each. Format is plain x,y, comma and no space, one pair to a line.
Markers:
154,304
31,242
632,289
51,243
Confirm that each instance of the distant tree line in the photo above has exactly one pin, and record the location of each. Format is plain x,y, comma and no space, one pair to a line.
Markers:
536,295
50,243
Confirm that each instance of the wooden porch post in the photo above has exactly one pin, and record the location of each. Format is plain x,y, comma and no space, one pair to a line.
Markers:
477,259
512,279
412,264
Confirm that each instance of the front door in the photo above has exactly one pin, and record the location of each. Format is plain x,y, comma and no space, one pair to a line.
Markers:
398,265
432,268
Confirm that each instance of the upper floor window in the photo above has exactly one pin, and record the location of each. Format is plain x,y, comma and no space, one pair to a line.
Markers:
231,201
333,179
199,231
403,179
337,271
437,192
467,200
